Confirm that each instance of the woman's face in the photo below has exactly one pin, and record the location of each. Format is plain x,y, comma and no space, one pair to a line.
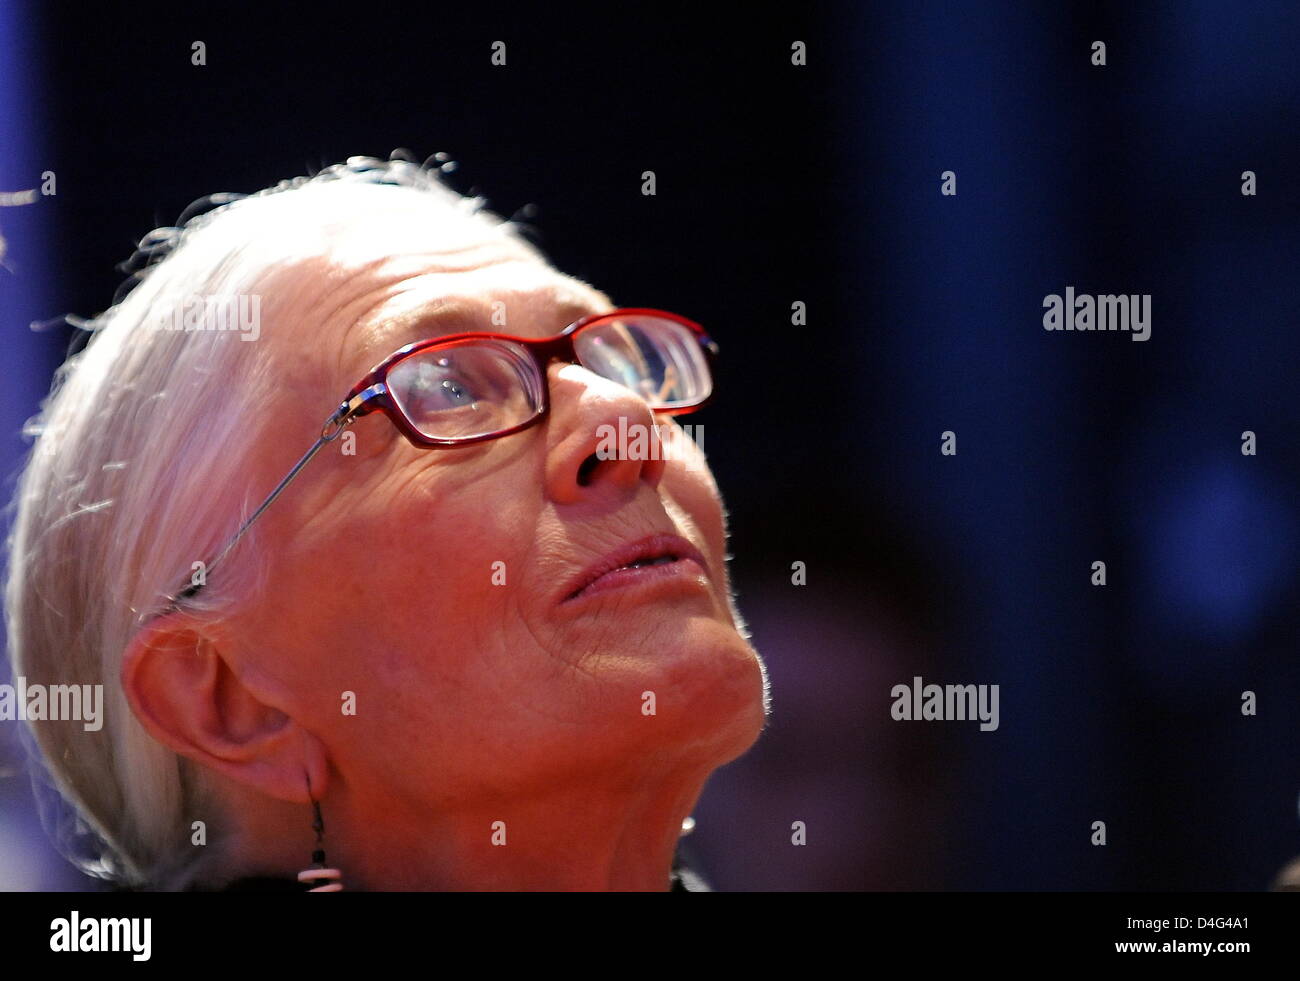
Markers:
434,584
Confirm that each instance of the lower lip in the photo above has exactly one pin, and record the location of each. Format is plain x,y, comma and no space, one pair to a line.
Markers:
685,571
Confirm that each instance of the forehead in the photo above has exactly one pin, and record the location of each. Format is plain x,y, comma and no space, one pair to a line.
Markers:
516,296
405,266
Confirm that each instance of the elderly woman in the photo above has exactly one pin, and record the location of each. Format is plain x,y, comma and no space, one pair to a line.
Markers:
328,507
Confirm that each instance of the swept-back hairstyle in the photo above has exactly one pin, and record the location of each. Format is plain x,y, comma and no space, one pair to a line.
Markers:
135,474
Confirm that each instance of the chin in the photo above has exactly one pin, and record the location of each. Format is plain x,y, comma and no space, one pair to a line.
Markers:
714,690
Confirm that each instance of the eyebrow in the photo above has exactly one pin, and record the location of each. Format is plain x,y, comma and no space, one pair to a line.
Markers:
384,336
445,317
439,317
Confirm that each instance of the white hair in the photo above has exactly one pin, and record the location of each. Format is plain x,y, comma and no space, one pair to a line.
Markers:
135,473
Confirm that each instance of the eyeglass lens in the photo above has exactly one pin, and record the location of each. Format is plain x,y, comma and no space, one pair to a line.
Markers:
477,387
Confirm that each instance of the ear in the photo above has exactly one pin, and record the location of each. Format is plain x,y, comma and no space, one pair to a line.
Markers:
188,697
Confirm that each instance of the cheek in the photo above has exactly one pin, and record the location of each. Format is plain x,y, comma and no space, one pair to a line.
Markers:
690,486
422,627
456,542
449,560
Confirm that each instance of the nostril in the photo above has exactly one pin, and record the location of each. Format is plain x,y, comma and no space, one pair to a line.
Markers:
585,471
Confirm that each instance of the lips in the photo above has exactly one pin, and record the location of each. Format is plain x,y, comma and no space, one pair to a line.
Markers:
649,552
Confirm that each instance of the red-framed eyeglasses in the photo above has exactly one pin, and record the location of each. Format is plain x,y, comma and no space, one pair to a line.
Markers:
467,388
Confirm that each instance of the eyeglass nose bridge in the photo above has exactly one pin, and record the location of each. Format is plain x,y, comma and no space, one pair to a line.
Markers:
546,350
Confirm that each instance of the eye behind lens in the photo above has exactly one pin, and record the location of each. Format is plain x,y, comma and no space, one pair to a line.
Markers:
466,390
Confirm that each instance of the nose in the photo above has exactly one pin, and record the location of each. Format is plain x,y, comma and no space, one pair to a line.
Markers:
602,440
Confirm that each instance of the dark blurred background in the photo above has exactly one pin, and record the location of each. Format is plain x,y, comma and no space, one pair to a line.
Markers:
820,183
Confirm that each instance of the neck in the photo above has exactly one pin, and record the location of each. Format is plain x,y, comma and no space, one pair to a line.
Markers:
567,839
576,837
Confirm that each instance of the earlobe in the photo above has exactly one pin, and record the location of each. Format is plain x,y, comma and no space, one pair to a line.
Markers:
188,697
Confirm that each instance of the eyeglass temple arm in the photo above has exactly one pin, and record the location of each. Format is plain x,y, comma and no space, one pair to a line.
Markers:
330,431
193,588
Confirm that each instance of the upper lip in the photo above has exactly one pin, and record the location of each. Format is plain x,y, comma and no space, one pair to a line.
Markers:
650,547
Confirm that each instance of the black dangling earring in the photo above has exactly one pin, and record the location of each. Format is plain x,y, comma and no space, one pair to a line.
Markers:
330,878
